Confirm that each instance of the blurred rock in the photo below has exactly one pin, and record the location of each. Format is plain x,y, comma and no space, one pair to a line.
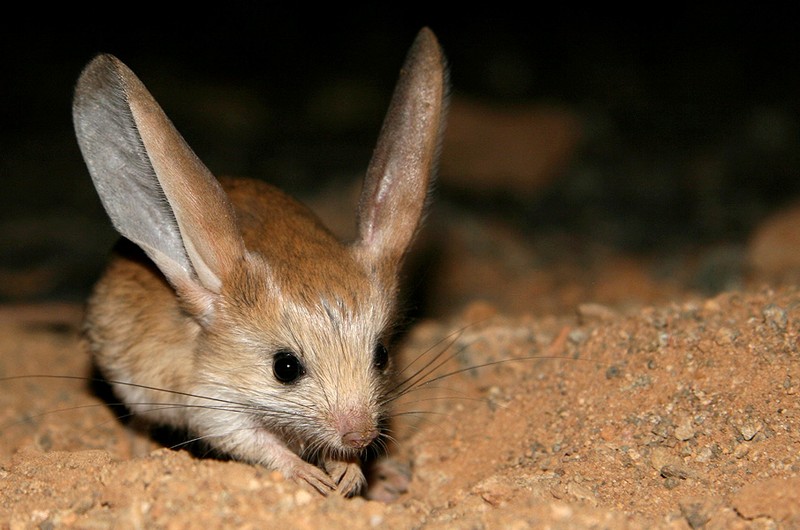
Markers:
774,498
517,149
774,248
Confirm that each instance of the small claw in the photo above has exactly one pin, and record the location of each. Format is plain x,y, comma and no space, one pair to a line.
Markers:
348,476
352,482
314,477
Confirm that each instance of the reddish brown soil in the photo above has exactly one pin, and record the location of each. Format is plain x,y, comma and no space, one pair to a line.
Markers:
646,406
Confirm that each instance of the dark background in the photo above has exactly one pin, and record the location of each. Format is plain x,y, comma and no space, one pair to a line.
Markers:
693,132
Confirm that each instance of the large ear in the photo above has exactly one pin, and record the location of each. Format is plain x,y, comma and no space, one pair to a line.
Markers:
156,191
396,186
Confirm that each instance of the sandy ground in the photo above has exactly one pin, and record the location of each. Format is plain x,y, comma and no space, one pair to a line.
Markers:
632,403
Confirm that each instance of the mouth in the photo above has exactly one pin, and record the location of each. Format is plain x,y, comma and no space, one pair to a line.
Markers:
359,440
345,434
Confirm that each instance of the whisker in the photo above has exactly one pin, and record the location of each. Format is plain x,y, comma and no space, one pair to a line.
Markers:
286,419
225,404
29,417
417,412
451,338
431,366
420,384
114,382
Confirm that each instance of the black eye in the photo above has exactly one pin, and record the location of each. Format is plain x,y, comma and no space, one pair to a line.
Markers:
380,356
287,367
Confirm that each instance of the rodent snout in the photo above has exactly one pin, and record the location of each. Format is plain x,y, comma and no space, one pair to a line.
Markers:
357,429
359,440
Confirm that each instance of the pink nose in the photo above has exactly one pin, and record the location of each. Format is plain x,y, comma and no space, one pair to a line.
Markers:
359,439
356,427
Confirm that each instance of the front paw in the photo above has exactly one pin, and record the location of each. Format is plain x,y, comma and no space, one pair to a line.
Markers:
313,476
347,475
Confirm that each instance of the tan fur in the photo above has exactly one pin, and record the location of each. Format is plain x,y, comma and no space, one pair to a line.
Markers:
216,278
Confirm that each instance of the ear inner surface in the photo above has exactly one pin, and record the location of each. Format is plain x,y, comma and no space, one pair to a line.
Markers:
396,185
156,191
202,210
121,171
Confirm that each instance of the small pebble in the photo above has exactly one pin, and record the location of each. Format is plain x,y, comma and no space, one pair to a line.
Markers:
775,317
741,450
685,430
596,312
749,430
